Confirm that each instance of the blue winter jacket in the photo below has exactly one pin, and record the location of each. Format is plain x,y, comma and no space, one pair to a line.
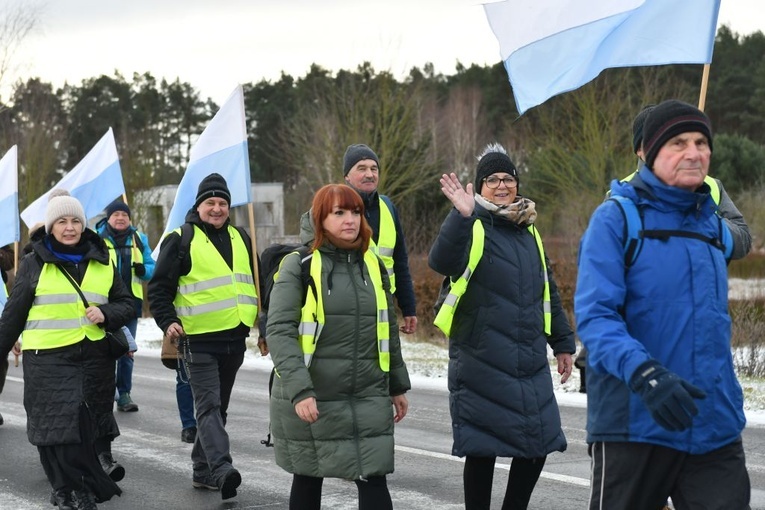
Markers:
124,256
671,305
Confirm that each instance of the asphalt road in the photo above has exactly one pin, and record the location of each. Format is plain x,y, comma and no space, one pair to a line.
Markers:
159,468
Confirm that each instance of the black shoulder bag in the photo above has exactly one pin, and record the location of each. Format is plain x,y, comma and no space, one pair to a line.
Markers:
118,343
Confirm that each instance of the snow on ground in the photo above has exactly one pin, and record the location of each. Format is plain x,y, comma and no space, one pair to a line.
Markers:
427,364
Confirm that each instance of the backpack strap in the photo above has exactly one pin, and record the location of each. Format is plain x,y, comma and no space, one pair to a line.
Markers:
187,234
633,228
137,241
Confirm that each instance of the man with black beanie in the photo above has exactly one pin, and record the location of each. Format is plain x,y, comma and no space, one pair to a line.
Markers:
204,295
361,168
659,424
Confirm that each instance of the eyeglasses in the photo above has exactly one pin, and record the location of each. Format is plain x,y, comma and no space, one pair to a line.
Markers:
493,182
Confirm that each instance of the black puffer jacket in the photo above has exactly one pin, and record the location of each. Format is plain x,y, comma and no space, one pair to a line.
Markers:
500,389
57,381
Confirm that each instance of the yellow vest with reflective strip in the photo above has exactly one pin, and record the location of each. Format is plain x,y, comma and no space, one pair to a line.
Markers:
136,285
213,297
312,313
386,242
57,317
445,316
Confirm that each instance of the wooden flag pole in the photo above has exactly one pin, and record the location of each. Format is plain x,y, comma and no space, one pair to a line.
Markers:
253,240
704,85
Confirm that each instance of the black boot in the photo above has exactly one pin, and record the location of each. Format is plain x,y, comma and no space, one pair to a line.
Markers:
62,498
85,500
114,469
1,419
582,380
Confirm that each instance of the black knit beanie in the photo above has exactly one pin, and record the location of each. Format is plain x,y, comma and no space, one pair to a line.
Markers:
355,153
117,206
671,118
214,185
637,127
493,161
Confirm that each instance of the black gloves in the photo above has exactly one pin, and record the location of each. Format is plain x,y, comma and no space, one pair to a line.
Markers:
139,269
668,397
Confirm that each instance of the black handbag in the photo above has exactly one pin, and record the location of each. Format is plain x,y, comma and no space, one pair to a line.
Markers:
117,341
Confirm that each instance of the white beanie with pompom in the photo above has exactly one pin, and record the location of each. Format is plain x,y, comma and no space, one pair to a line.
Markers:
61,204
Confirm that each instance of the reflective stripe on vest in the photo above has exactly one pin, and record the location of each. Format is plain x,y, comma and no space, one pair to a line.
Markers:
136,257
312,313
445,316
386,242
213,297
57,316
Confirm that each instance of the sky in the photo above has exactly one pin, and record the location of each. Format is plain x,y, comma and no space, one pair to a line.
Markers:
216,45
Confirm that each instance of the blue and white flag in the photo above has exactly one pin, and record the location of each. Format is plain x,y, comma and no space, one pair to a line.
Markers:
221,148
9,198
555,46
96,181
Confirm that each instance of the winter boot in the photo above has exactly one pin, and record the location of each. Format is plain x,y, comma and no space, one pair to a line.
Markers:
126,404
228,483
189,435
85,500
114,469
62,498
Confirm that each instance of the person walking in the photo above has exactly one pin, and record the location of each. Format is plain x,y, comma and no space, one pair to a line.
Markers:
128,250
659,424
502,312
341,379
361,168
68,367
208,301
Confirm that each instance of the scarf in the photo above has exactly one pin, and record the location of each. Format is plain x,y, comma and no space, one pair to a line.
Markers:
342,244
522,212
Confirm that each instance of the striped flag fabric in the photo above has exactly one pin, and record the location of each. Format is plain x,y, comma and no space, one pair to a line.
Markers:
9,197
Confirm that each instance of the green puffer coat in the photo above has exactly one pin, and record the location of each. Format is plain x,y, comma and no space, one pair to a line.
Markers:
353,436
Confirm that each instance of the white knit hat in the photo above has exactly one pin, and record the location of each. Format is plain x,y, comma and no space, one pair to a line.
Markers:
60,204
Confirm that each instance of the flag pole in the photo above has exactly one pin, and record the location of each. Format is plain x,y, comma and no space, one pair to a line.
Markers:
704,85
253,240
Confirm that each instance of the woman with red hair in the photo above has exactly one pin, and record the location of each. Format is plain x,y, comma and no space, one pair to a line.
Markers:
337,355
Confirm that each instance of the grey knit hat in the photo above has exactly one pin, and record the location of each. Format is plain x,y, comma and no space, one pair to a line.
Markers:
60,204
355,153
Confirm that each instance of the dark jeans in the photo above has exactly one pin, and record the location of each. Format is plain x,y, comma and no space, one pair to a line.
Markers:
478,478
184,397
306,493
212,379
641,476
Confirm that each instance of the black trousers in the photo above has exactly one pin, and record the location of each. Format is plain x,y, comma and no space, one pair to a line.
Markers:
478,478
212,379
306,493
641,476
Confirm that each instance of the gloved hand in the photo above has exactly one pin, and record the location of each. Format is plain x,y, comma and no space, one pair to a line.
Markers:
667,396
139,269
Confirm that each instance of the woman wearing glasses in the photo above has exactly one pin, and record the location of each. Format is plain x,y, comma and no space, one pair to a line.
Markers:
502,311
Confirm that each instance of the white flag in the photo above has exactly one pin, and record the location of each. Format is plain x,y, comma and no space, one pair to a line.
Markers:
221,148
9,198
96,181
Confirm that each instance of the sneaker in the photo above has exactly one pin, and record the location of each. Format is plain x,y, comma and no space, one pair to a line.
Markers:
229,482
189,435
85,500
204,482
114,469
62,499
126,404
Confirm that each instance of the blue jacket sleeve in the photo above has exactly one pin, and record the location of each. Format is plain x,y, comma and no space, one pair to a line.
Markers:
148,261
600,295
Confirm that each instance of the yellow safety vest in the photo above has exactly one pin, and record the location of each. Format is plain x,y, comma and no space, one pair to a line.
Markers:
312,313
714,188
57,316
386,242
213,297
445,316
136,285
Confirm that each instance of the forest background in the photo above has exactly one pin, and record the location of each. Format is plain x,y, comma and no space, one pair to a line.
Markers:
567,150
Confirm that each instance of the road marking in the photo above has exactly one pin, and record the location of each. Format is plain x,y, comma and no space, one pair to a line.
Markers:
573,480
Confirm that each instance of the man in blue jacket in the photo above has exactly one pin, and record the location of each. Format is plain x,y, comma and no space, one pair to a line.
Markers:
665,410
129,250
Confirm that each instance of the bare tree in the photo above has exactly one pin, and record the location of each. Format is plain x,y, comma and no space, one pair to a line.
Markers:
17,21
